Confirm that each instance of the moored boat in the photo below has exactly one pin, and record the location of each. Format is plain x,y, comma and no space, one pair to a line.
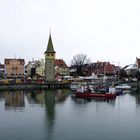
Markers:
90,95
123,87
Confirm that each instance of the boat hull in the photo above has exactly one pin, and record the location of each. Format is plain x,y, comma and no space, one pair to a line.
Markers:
91,95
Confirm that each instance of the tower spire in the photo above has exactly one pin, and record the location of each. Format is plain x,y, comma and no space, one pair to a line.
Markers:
50,48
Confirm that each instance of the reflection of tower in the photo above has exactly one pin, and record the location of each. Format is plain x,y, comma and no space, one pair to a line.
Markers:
36,97
14,100
49,61
50,110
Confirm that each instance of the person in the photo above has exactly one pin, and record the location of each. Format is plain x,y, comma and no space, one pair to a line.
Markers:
88,89
82,89
107,89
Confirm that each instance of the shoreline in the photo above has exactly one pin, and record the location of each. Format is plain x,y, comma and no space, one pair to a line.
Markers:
22,86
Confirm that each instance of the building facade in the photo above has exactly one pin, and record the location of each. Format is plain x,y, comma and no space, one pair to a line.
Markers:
100,68
61,68
2,70
137,64
31,68
14,68
40,69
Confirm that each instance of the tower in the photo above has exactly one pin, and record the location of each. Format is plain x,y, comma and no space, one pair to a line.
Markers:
49,61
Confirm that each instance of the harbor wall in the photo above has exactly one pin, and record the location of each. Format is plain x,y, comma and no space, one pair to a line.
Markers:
21,86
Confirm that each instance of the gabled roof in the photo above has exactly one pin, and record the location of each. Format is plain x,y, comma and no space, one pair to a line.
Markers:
7,60
60,63
50,48
129,67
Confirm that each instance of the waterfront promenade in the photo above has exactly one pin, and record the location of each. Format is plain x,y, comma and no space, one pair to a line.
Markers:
34,85
53,85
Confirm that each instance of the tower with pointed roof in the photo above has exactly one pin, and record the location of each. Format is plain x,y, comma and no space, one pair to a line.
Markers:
49,61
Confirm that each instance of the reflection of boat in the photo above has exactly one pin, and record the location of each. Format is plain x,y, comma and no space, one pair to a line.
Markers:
123,87
96,99
90,95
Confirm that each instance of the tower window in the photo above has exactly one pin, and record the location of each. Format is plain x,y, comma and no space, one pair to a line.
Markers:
52,54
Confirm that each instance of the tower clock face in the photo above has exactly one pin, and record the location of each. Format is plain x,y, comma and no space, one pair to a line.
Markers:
50,56
49,63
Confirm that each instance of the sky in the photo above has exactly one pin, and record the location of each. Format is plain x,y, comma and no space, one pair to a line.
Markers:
104,30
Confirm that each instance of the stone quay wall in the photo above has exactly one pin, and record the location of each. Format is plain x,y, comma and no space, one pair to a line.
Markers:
21,86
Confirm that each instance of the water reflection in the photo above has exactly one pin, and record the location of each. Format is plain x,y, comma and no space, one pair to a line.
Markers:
136,94
14,100
56,114
35,97
39,96
47,99
50,112
61,95
96,99
1,96
51,98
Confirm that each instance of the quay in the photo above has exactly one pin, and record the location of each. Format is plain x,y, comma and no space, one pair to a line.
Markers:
24,86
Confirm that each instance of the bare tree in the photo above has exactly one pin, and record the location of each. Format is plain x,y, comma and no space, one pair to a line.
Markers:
78,63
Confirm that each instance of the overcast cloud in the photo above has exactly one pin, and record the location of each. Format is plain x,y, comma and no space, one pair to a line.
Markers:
104,30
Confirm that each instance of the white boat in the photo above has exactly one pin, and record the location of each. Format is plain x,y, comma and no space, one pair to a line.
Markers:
123,87
75,86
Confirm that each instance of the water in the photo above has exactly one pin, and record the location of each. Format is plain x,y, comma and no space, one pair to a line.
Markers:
56,115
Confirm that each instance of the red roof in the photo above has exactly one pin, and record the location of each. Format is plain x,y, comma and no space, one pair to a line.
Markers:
60,63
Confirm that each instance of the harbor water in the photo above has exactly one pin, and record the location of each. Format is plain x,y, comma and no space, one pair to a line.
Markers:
58,115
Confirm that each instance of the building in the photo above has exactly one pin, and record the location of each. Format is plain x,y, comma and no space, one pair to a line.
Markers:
50,61
100,68
14,68
28,68
2,69
137,64
40,69
109,69
31,68
130,69
61,68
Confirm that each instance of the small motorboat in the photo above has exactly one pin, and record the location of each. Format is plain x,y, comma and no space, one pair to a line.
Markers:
123,87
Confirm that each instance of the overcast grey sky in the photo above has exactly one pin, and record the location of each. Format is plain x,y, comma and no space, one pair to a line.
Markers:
104,30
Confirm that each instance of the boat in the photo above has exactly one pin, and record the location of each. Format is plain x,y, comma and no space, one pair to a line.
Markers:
95,94
77,86
123,87
73,87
